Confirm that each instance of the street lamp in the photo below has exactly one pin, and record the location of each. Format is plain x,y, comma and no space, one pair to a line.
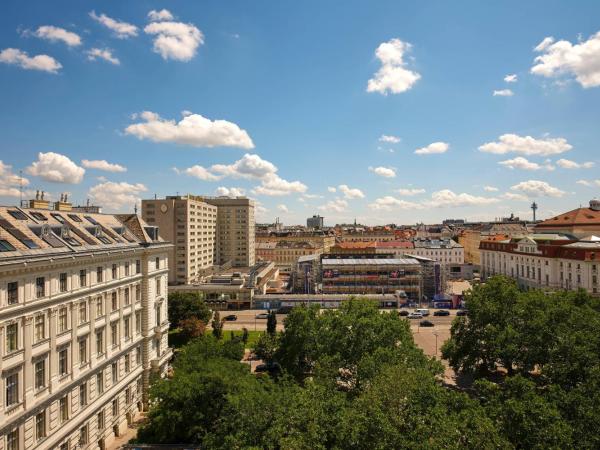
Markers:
436,343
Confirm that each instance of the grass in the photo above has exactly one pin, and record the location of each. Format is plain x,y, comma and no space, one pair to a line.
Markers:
252,336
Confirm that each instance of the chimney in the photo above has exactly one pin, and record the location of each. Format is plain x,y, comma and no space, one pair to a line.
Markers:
63,204
38,202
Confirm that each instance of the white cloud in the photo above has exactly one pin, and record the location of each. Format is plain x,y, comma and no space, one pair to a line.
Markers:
524,164
312,196
503,93
331,189
10,183
589,183
436,147
389,203
513,196
536,188
526,145
568,164
20,58
102,164
56,168
274,185
336,205
250,166
103,53
230,192
490,189
55,34
393,76
117,195
410,192
193,129
581,60
511,78
282,208
389,139
350,192
175,40
447,198
385,172
199,172
122,30
158,16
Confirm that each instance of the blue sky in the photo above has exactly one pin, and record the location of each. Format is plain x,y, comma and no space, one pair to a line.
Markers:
288,101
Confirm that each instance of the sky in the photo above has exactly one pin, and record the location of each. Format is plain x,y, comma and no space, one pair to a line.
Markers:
380,111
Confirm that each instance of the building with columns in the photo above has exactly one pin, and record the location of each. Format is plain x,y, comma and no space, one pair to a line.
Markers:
83,325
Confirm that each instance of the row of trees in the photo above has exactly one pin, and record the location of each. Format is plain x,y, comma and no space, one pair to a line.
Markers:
354,378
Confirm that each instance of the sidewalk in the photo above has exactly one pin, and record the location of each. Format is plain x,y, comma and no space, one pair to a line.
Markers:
128,435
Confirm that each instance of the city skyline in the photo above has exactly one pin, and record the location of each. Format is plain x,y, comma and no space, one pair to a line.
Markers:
402,113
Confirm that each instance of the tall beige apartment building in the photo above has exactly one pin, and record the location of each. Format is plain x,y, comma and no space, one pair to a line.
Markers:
207,232
83,325
191,224
235,231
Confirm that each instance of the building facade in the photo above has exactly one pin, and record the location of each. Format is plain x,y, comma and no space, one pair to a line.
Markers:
316,222
191,225
580,222
545,261
83,324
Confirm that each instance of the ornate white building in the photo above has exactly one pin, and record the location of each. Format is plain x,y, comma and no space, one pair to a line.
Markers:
83,324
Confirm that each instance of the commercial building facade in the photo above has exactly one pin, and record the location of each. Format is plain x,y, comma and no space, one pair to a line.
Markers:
83,324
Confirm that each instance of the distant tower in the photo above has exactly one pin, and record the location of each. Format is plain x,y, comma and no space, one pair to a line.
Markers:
534,208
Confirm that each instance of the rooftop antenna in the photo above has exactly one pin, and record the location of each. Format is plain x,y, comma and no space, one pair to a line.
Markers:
21,187
135,209
534,208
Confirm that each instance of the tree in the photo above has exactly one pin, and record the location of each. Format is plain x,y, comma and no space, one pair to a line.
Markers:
183,305
271,323
217,326
191,328
265,347
245,335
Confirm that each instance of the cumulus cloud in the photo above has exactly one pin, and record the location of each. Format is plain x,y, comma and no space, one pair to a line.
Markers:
102,164
282,208
526,145
524,164
536,188
436,147
589,183
389,139
103,53
568,164
10,183
57,34
393,76
230,192
250,166
331,189
193,129
386,172
117,195
158,16
199,172
511,78
20,58
447,198
174,40
350,192
490,189
336,205
56,168
410,192
563,58
503,93
389,203
122,30
513,196
274,185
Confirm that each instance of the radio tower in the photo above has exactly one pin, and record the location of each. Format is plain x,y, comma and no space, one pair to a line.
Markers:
534,208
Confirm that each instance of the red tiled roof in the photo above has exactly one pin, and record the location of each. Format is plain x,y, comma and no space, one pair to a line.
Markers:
395,244
579,216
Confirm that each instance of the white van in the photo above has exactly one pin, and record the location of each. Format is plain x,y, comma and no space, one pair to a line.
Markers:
424,311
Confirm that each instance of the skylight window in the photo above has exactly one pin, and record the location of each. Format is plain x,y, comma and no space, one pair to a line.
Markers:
19,215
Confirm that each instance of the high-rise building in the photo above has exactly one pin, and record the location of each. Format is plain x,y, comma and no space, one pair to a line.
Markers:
316,222
206,231
190,223
83,324
235,231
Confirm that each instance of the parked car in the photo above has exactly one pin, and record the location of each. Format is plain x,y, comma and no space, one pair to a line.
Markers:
462,312
403,313
415,315
423,311
441,313
230,318
426,323
284,310
271,369
262,316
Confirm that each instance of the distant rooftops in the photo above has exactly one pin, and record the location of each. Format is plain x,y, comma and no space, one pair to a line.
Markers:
368,261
